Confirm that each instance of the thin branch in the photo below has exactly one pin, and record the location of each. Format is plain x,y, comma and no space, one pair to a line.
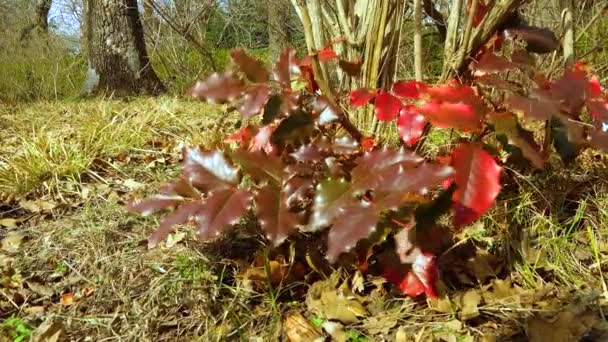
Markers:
184,32
418,39
432,12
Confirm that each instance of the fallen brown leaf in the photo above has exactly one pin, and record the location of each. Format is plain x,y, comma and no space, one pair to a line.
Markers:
298,329
12,242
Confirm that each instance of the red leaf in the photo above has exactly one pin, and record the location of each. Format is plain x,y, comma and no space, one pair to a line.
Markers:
410,125
539,109
309,76
595,88
180,216
368,144
411,286
598,109
151,205
261,141
308,153
387,106
477,183
325,55
356,222
572,89
361,97
242,136
453,92
218,88
489,63
253,69
425,269
286,65
274,215
254,99
221,209
209,170
451,115
409,89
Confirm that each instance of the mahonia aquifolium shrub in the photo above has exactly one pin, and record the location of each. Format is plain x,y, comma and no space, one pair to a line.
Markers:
310,170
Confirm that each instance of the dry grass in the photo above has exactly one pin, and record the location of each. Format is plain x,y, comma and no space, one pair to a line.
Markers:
547,237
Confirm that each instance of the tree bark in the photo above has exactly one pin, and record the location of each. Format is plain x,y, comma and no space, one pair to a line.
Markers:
41,19
278,29
118,61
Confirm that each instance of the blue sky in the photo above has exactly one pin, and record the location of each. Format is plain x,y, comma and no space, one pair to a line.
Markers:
64,18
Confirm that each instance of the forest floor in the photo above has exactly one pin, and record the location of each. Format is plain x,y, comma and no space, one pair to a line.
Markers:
75,263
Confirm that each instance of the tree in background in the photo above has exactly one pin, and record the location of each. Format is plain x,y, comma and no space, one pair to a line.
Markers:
116,50
41,19
279,36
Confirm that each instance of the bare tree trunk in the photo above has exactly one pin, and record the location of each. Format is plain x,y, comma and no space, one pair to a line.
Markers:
43,7
278,29
118,61
41,19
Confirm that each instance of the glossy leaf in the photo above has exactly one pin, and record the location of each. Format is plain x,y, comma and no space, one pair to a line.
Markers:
451,115
297,189
358,221
409,89
345,145
209,169
218,88
254,70
387,106
532,108
261,141
285,67
489,63
374,161
361,97
308,153
327,193
221,209
477,181
411,125
254,99
260,167
154,204
274,215
426,270
242,136
453,92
